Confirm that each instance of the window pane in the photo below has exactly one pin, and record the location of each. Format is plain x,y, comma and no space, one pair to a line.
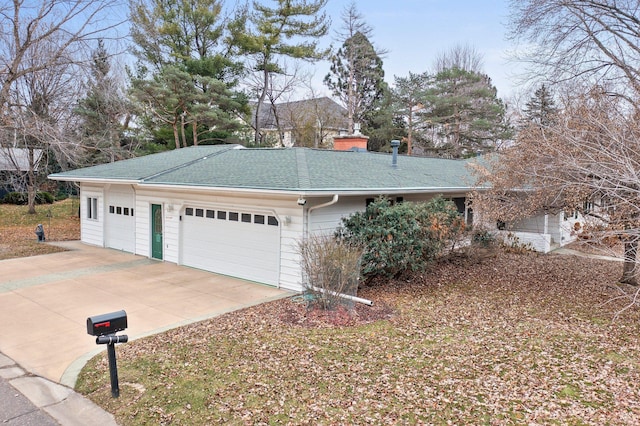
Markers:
246,217
233,216
125,211
95,208
188,211
118,210
273,221
259,219
200,212
210,214
222,215
112,209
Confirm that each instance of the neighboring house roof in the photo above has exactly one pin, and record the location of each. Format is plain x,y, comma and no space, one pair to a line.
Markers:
282,169
298,113
17,159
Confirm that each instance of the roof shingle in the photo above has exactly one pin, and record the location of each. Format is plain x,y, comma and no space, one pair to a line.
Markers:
281,169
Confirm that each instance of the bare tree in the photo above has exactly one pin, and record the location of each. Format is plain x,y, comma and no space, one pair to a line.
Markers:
280,88
26,26
464,57
42,44
586,160
591,41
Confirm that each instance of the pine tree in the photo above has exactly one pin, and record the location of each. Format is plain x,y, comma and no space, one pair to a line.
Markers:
541,108
356,77
290,29
185,39
408,97
103,112
464,107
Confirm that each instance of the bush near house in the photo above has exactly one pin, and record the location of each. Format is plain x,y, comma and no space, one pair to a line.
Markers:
402,237
332,270
21,198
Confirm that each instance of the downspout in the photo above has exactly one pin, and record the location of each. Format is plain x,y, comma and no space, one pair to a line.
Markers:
319,206
306,235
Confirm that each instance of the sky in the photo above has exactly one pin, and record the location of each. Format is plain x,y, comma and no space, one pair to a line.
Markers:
414,32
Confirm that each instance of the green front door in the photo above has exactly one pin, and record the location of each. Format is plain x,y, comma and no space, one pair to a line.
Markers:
156,231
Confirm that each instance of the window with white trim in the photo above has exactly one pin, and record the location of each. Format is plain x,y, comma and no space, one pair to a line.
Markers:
92,208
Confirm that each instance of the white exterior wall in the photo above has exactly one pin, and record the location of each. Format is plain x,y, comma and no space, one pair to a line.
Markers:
92,231
568,233
326,220
143,226
559,231
535,241
288,213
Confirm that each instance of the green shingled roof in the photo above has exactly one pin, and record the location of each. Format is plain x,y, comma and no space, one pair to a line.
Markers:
286,169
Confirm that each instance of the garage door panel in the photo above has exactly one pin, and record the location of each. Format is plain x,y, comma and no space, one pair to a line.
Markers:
120,220
241,249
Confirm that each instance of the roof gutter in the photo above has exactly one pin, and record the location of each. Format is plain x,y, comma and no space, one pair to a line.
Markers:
285,191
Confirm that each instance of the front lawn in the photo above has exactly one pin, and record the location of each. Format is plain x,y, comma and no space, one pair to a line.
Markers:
17,237
517,339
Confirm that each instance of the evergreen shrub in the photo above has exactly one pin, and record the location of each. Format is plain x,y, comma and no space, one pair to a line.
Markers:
402,237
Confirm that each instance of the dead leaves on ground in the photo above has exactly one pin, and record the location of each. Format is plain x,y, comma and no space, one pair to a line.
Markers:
517,339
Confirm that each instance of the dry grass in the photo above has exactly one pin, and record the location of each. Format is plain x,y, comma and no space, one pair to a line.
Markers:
515,339
17,237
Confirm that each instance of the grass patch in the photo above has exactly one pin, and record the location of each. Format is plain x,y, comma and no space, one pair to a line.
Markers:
17,226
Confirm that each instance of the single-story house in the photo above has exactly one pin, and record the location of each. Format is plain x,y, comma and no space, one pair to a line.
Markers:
14,164
543,232
309,122
241,212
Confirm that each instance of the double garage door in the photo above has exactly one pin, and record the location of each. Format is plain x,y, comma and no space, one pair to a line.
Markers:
238,243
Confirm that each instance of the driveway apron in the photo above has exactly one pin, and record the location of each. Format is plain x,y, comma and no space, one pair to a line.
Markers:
45,301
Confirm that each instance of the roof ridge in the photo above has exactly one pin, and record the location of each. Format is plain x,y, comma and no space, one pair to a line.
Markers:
303,169
189,163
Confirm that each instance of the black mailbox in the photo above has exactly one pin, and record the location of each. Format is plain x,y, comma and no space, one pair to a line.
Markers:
111,323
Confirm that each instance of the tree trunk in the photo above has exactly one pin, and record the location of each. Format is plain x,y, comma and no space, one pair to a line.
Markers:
278,127
351,102
31,183
630,255
265,86
410,130
194,127
182,131
176,135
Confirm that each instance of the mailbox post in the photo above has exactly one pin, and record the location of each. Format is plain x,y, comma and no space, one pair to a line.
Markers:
105,327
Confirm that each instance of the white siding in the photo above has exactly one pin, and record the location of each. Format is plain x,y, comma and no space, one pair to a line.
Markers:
535,241
91,230
143,226
326,220
288,213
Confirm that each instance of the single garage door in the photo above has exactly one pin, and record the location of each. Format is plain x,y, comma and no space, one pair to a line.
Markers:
232,242
120,220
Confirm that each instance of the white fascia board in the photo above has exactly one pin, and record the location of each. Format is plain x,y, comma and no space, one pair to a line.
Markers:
95,180
306,193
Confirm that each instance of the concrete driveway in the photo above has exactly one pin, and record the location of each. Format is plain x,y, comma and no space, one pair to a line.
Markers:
45,301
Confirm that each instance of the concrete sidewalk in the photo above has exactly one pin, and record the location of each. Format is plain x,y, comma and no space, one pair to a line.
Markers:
45,301
27,400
